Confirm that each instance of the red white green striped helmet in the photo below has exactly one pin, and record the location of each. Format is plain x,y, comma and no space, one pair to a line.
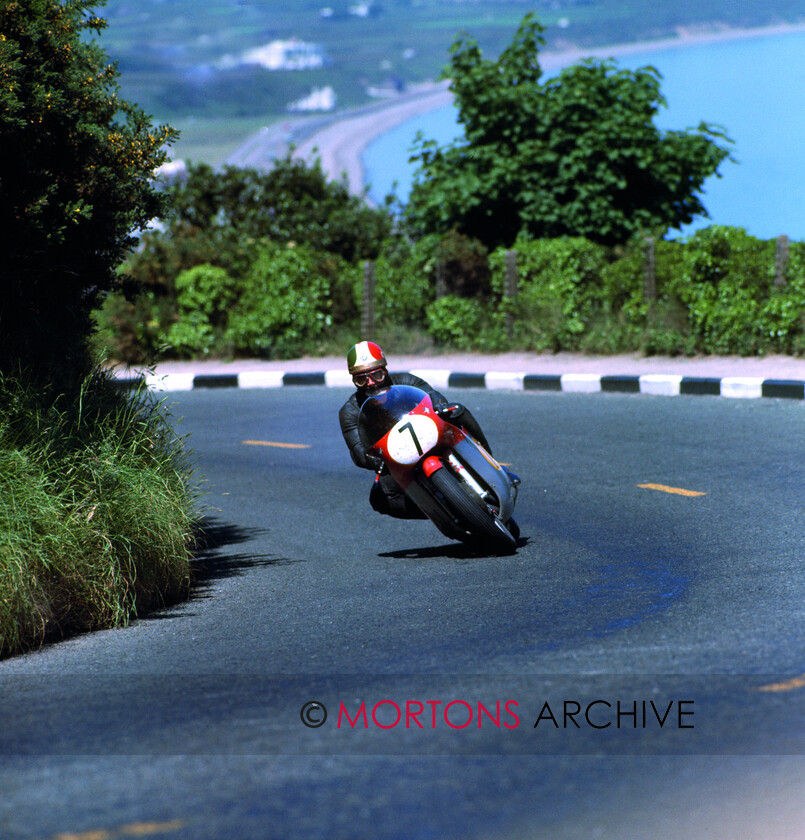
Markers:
363,356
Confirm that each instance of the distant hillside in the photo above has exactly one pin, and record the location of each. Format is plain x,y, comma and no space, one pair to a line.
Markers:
202,62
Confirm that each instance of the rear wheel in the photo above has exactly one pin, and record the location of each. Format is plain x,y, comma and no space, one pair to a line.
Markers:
472,512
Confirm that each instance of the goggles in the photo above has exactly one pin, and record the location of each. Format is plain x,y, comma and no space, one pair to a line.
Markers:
361,380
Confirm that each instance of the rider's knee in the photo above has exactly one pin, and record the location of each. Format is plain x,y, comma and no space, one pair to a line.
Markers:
394,504
378,499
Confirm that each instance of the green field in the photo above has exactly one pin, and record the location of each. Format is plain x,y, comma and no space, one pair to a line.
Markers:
171,52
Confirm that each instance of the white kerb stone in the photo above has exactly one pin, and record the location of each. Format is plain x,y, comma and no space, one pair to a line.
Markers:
660,384
338,379
435,378
504,381
742,387
170,381
260,378
581,383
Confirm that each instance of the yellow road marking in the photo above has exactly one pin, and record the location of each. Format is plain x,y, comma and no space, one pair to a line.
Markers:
147,828
678,490
277,444
786,685
139,829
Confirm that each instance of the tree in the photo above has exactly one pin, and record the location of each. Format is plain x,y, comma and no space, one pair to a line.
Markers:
576,155
76,180
292,201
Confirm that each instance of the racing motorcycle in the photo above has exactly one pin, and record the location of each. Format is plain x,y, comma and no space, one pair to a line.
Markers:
445,472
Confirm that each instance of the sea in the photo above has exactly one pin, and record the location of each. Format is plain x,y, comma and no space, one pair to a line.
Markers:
753,87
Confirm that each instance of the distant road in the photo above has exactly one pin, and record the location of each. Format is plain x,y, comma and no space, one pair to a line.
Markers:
338,140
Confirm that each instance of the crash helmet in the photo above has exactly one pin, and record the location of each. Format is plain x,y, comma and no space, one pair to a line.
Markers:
365,356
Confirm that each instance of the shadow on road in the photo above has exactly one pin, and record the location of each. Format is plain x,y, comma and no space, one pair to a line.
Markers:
452,551
211,563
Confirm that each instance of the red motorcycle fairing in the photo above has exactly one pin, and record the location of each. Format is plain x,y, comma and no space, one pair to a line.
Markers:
404,445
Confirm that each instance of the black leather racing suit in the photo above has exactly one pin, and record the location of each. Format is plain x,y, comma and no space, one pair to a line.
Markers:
386,495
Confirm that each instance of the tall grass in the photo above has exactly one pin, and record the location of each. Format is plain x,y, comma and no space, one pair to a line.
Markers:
96,510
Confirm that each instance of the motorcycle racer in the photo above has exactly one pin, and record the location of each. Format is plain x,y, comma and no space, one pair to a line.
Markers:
367,364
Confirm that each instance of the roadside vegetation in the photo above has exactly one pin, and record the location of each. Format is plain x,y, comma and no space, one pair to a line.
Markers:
571,174
96,510
719,291
97,498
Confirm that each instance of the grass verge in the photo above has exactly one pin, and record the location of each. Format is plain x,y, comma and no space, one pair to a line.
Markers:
96,510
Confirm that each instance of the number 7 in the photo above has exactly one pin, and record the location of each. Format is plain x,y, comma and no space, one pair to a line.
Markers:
413,435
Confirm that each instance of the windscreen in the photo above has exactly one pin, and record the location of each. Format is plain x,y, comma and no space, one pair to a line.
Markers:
380,413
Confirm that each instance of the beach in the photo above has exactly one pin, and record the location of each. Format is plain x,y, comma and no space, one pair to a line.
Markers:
340,142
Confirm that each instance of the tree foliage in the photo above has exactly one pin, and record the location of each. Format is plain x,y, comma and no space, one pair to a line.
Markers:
291,202
289,300
578,154
76,167
226,219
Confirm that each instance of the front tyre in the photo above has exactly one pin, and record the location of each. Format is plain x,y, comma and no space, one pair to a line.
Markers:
473,514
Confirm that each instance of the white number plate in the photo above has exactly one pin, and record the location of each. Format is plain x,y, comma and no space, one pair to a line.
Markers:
411,438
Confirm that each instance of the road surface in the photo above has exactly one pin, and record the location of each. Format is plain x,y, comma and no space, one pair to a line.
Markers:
659,589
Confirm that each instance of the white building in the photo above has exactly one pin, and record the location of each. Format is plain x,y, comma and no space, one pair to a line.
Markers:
286,55
320,99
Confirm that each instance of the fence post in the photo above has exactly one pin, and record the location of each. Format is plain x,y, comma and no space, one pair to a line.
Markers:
780,261
510,289
441,284
368,309
650,285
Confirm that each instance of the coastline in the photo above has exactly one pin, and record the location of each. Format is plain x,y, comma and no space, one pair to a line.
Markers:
340,144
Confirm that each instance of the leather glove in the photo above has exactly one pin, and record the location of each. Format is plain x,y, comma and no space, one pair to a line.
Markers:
373,460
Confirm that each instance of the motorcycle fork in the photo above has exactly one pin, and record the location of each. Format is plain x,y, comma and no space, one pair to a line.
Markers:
467,477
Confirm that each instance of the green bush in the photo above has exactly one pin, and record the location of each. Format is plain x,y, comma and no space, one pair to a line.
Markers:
401,292
206,289
191,336
783,317
291,202
204,296
715,293
559,290
466,324
96,511
405,281
454,321
628,321
727,285
134,331
222,218
464,265
288,301
165,254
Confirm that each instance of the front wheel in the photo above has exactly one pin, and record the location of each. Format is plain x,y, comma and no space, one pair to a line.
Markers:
472,513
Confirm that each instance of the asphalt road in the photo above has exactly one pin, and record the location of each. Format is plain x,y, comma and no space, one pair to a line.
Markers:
656,638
